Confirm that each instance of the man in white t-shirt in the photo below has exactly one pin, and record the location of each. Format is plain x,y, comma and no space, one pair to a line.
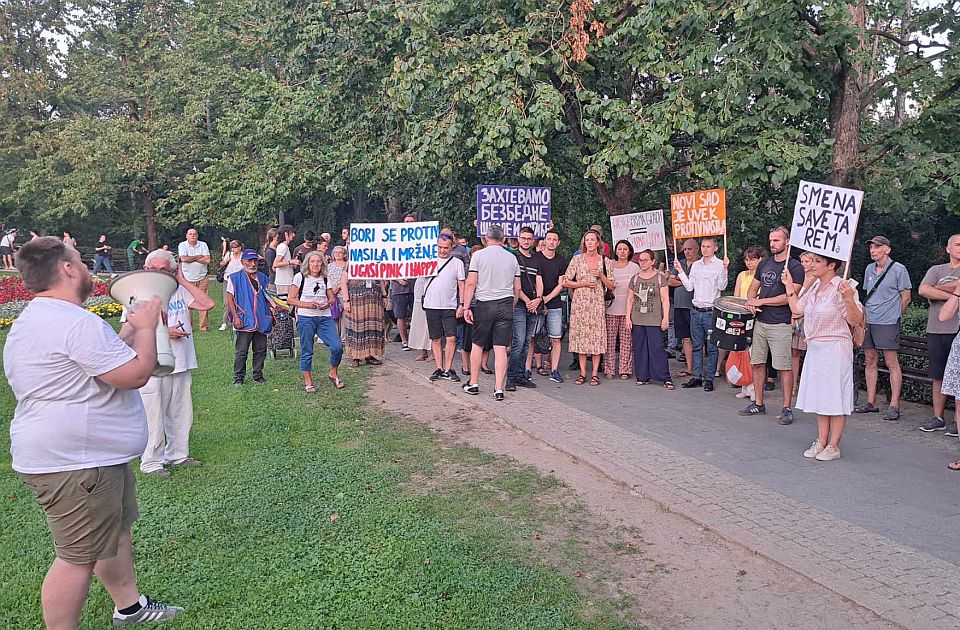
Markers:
284,265
6,248
195,256
167,399
494,279
78,423
442,309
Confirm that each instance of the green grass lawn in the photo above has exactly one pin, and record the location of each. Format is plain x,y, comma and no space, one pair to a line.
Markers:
316,511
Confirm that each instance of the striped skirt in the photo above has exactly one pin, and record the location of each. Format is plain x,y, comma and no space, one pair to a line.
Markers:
363,325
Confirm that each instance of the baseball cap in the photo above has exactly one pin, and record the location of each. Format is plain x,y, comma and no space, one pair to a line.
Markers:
879,240
249,254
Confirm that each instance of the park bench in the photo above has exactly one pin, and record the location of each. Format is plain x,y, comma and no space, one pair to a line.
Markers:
914,363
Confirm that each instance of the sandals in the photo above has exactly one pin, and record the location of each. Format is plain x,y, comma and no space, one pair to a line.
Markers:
336,382
486,371
310,389
954,465
580,380
683,374
669,385
542,371
373,361
594,380
624,377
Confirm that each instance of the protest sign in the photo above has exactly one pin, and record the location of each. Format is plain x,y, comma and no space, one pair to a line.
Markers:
644,230
700,213
825,219
390,251
513,207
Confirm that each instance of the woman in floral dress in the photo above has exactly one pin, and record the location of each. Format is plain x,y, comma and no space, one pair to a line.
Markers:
589,275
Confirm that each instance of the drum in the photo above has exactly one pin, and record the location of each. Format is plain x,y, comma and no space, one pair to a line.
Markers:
732,324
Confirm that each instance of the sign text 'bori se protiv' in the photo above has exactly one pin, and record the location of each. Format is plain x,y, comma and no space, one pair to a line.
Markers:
389,251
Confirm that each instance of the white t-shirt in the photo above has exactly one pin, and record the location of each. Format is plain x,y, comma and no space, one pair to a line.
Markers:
284,275
496,268
193,271
314,290
233,266
178,312
441,292
7,240
66,419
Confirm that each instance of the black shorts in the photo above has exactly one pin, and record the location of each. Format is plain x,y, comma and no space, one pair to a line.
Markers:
403,305
938,346
493,323
5,251
681,323
441,322
882,337
467,342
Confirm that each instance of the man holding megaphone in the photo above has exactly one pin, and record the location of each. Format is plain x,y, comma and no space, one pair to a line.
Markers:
167,399
79,421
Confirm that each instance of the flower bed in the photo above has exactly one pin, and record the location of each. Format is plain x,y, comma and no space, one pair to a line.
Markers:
14,297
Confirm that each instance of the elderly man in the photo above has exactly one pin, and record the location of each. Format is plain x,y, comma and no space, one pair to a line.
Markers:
167,399
195,256
246,300
494,279
77,425
886,300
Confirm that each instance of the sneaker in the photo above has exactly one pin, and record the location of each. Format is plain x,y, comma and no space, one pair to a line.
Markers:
526,382
786,416
529,375
708,386
473,390
437,375
405,346
866,408
186,463
828,454
891,414
259,379
769,387
556,376
935,424
951,430
753,409
451,375
814,450
498,395
222,327
511,385
238,383
163,473
149,612
693,382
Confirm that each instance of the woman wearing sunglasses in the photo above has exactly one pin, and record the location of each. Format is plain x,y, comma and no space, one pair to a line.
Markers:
312,296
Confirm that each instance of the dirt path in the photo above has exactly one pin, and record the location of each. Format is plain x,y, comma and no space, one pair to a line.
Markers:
660,568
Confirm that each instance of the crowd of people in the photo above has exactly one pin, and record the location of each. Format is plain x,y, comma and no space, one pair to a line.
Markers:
627,314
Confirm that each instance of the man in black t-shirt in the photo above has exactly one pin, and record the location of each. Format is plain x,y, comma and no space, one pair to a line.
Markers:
772,331
527,312
549,284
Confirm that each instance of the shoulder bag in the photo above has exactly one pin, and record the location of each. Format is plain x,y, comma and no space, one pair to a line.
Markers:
608,295
430,281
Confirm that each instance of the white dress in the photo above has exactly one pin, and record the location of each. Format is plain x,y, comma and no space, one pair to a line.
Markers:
419,337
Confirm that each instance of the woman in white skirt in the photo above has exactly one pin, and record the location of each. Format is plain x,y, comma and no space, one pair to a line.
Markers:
951,374
828,308
419,337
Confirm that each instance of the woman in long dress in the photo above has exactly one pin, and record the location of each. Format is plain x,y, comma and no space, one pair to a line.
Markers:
589,274
419,337
951,373
829,308
335,270
363,314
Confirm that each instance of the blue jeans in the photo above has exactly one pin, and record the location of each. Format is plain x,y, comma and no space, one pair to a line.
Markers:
525,325
701,323
671,333
101,262
326,329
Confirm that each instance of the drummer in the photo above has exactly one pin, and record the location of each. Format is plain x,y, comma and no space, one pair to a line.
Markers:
772,330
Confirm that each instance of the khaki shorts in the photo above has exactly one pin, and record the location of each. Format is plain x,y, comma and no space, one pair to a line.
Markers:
87,509
774,339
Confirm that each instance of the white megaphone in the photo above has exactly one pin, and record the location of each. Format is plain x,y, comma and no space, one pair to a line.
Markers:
144,285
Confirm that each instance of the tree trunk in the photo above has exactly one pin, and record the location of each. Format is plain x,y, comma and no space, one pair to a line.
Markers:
394,210
618,197
359,206
845,105
900,101
148,198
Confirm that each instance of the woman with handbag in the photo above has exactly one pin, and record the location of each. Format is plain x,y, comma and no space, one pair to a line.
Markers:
648,311
831,312
592,278
617,315
311,294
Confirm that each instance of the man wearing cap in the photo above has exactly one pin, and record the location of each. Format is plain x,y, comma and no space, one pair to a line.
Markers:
887,286
245,297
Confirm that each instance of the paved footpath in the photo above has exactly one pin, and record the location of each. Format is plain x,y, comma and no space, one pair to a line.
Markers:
880,526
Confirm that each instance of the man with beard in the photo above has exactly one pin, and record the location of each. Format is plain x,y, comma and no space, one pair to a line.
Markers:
772,330
78,423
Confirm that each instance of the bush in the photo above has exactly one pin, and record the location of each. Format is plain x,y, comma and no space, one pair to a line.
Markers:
913,323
